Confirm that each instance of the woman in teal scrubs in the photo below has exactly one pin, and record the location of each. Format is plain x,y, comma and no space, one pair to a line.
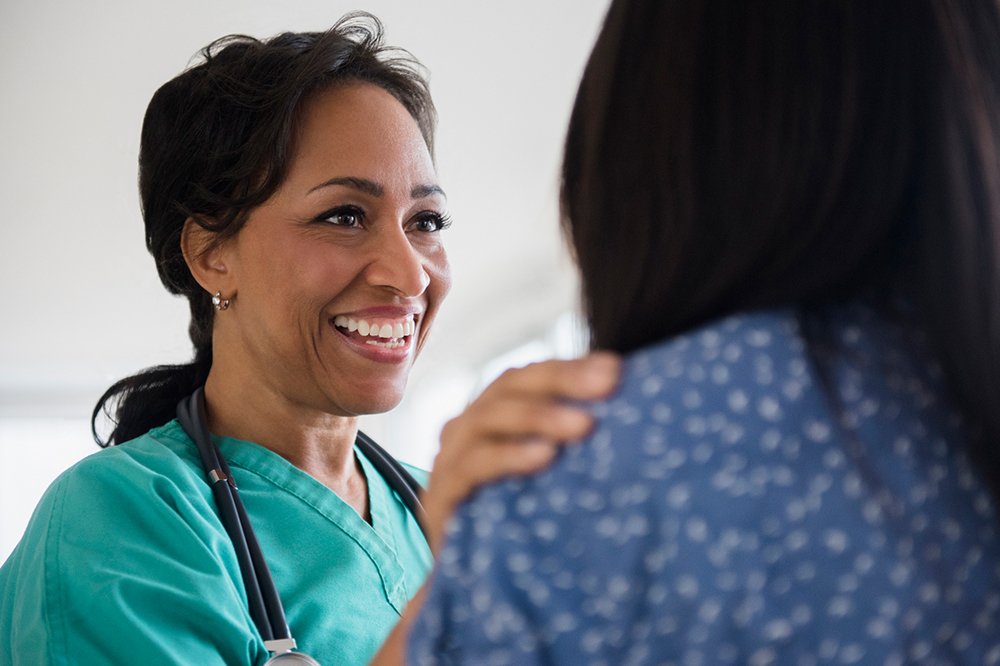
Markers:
289,193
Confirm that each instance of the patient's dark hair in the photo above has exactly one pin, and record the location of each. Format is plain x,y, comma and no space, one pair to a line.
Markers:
726,156
216,143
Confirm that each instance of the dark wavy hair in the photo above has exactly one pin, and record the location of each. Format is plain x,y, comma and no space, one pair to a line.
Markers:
216,143
728,156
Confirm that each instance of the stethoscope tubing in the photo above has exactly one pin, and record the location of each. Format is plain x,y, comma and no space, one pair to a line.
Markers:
264,604
396,476
263,600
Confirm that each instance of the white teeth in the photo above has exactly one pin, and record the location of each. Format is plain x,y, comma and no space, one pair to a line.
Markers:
395,330
386,344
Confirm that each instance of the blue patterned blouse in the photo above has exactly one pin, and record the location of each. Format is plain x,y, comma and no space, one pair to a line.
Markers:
746,498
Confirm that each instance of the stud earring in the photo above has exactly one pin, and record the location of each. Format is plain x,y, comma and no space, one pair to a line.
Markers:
219,302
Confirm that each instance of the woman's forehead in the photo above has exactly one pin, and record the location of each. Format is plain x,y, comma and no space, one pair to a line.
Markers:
360,130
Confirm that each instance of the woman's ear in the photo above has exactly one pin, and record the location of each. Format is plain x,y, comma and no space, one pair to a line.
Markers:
207,258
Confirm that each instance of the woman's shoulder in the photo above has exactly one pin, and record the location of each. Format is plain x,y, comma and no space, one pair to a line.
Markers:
109,489
112,498
745,408
163,454
685,410
779,367
138,521
737,341
741,367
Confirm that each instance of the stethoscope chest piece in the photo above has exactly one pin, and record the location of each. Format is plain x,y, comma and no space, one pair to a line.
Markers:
283,653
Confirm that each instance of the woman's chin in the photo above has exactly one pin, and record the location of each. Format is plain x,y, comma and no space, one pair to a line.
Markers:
366,401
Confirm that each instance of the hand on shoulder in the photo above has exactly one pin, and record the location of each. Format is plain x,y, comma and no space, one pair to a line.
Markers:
515,427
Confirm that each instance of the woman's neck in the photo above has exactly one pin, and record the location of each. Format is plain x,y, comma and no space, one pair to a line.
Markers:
320,444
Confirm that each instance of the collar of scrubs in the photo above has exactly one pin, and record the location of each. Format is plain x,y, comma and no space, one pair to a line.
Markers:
256,468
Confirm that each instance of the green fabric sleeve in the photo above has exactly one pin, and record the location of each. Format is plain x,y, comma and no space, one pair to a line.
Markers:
121,564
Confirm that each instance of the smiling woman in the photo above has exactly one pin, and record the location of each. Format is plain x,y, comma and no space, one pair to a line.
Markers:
351,233
289,193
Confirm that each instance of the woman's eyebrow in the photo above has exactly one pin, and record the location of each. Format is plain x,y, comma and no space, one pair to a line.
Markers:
363,184
372,188
421,191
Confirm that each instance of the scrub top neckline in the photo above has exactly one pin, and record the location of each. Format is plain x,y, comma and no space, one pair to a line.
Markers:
259,460
376,539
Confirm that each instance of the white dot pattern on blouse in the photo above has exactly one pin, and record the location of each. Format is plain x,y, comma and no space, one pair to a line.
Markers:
746,498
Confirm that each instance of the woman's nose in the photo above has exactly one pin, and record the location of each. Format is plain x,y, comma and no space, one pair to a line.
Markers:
397,265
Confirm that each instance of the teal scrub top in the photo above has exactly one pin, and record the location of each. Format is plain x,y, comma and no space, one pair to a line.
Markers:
125,561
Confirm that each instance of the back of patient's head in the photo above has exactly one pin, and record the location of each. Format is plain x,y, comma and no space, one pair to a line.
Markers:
726,156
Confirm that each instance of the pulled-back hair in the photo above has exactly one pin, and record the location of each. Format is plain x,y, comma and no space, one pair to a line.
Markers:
728,156
216,143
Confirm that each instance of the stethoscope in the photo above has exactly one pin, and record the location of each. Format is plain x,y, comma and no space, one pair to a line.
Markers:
265,605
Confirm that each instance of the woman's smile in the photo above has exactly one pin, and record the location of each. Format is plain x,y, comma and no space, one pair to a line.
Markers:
380,334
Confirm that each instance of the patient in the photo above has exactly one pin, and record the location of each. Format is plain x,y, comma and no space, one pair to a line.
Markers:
788,215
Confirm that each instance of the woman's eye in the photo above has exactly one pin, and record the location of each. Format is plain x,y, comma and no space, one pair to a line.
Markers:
431,222
343,217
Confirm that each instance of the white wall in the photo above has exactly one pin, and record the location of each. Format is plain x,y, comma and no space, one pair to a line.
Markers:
80,303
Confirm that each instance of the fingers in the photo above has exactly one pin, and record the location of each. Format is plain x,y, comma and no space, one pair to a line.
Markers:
517,417
492,460
537,400
534,403
587,378
515,427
